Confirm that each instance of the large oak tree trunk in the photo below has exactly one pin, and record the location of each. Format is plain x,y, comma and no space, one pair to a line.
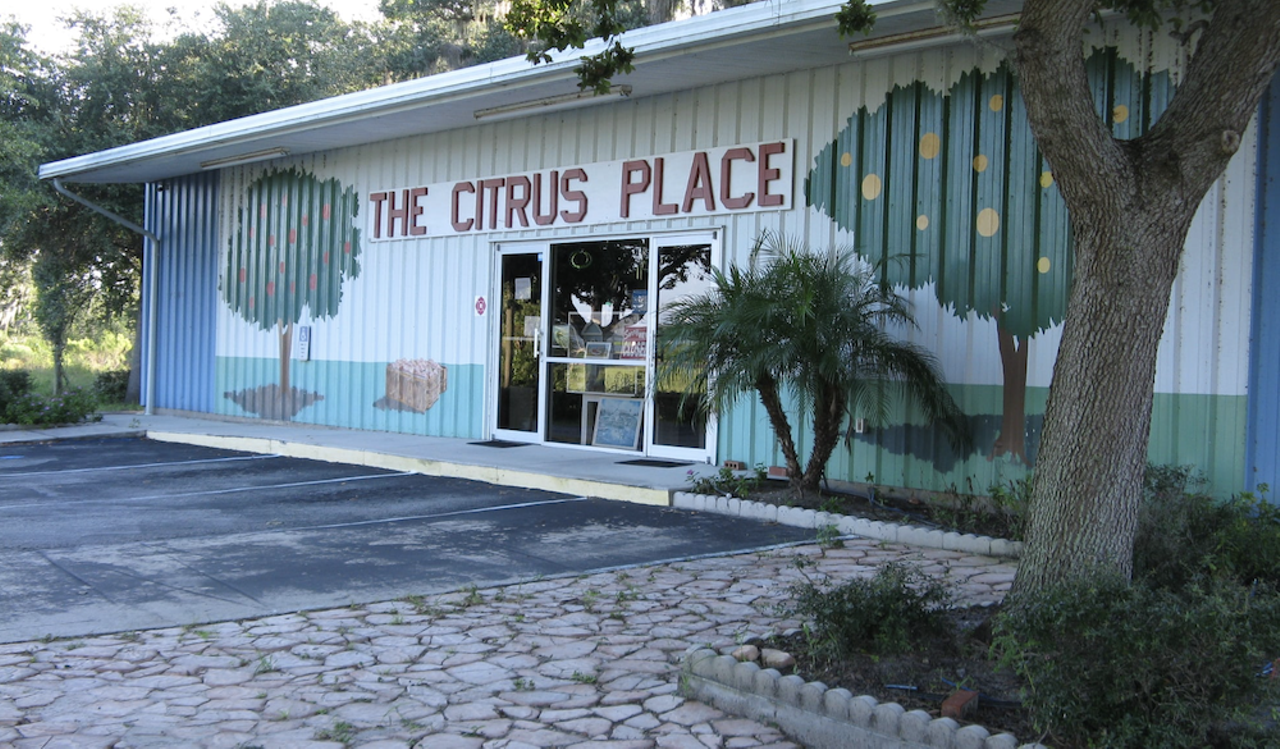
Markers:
1131,204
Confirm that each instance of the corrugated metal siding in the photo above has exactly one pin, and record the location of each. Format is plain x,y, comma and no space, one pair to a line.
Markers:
182,214
415,299
1264,394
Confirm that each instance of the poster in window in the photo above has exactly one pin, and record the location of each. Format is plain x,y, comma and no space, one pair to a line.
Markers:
618,423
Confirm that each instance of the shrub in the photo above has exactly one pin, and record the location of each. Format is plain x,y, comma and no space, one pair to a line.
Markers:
71,407
889,613
14,382
112,386
1184,534
1117,664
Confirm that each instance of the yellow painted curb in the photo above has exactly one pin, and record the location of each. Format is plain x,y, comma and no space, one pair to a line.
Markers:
425,466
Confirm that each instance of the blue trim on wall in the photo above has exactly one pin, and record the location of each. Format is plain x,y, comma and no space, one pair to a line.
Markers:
1262,456
183,214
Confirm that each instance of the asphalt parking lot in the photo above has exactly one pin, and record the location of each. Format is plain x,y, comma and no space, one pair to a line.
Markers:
122,534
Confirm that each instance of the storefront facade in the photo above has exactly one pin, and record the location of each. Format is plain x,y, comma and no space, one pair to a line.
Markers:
505,278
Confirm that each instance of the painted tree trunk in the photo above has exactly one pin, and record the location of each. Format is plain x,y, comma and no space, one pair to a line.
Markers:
286,354
1013,422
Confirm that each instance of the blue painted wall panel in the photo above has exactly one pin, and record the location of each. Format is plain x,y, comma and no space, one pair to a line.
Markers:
183,214
1263,443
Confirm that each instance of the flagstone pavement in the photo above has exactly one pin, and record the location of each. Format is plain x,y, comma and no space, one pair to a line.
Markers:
588,662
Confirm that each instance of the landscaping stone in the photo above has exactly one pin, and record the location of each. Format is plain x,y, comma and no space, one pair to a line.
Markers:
527,668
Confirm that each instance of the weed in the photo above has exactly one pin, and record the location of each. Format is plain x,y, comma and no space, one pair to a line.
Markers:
582,678
829,537
521,684
473,598
341,731
886,614
265,666
727,482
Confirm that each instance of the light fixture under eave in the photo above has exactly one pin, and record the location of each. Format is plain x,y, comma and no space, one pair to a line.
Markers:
551,103
986,27
245,158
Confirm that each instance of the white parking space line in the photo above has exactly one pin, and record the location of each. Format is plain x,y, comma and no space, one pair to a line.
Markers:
140,465
234,490
454,513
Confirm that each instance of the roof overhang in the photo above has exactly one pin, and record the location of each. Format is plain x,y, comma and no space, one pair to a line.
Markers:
763,38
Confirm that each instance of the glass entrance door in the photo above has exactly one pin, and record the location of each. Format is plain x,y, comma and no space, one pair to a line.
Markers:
597,362
520,331
680,430
576,357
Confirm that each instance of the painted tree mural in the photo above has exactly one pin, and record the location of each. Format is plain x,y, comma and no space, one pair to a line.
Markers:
950,190
296,241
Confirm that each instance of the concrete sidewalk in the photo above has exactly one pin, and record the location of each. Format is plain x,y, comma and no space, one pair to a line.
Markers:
565,469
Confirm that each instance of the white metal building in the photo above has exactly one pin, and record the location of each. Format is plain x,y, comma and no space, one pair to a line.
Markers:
486,254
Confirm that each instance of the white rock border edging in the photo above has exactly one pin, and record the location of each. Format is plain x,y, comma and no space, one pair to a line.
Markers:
848,525
822,718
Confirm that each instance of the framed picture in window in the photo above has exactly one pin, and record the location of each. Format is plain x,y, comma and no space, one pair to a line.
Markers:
618,423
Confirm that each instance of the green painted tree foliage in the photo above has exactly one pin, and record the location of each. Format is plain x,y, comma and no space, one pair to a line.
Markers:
296,241
948,190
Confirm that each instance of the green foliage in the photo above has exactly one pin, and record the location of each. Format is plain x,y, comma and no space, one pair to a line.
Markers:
1012,505
71,407
1166,659
728,482
1185,534
112,386
563,24
1117,664
887,614
14,384
297,240
855,17
809,324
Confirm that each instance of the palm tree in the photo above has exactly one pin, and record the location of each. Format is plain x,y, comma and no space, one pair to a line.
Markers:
812,325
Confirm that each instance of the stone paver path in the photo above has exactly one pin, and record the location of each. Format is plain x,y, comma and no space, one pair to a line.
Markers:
588,662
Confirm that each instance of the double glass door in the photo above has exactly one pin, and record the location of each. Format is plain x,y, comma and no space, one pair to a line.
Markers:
580,327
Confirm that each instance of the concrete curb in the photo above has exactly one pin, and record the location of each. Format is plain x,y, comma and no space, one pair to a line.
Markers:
425,466
850,526
822,718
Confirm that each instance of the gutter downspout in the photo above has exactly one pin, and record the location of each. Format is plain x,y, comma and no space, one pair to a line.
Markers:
152,282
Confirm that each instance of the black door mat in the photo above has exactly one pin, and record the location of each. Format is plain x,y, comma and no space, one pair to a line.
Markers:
499,443
650,463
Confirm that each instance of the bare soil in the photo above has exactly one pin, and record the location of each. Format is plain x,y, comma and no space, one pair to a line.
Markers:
964,514
924,677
